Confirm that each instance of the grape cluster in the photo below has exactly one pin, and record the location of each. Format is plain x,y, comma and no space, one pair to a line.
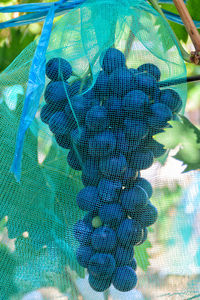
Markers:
108,130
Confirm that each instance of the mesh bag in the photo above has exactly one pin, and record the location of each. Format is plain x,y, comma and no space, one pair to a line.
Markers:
82,202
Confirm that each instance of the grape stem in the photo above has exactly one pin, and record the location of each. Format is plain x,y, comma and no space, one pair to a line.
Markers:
186,56
189,25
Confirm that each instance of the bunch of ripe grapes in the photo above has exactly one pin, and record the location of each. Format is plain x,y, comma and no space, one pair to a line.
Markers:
108,129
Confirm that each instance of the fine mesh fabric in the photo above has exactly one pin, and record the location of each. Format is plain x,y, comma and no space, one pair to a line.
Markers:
81,182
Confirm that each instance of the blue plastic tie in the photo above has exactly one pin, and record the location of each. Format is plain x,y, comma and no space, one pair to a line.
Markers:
34,91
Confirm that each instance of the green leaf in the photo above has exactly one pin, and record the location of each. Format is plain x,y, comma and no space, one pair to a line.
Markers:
185,135
179,30
142,256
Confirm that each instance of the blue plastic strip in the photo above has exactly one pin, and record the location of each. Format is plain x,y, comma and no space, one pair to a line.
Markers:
38,14
34,91
177,19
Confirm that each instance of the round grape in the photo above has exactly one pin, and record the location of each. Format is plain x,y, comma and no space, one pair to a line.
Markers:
109,190
123,256
83,255
121,82
135,103
104,239
112,214
58,123
97,119
141,160
133,199
160,114
101,265
88,199
90,172
56,93
63,140
112,59
102,144
99,284
47,112
113,165
58,68
148,216
135,129
129,232
145,184
83,232
124,279
172,99
101,87
150,69
74,161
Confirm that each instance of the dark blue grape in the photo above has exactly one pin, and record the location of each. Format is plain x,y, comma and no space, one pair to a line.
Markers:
160,114
112,59
56,93
146,185
109,190
47,112
129,232
133,264
172,99
134,71
150,69
123,256
58,69
78,106
102,144
97,119
115,111
133,199
101,265
75,87
121,82
129,177
147,84
63,141
80,137
90,99
58,123
104,239
99,284
148,216
124,279
113,166
135,103
88,199
141,160
90,172
74,161
111,214
83,255
83,232
122,143
135,129
101,87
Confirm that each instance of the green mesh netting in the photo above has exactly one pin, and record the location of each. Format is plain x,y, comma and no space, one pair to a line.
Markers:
40,212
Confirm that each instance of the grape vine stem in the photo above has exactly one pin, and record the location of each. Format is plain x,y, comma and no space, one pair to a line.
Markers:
191,29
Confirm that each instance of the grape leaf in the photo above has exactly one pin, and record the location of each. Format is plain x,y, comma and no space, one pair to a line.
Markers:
142,256
185,135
